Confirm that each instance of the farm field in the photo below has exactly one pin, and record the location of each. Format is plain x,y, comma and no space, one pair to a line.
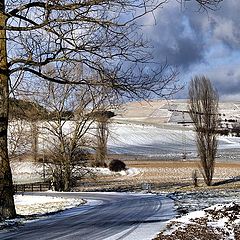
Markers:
158,152
161,158
163,130
167,176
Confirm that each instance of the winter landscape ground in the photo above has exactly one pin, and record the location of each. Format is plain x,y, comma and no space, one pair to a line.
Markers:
161,156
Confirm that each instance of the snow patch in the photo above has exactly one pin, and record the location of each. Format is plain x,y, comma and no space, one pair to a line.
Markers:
107,172
32,205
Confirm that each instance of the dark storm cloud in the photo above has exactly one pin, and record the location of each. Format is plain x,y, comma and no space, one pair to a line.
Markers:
221,25
200,43
174,38
184,53
185,37
226,81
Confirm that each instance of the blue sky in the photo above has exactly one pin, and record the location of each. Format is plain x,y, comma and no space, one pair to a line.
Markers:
199,43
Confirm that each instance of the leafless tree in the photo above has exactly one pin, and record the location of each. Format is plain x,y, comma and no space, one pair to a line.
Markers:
19,138
205,4
102,118
203,110
68,128
23,131
100,35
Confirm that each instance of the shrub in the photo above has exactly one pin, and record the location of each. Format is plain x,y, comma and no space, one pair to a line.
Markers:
117,165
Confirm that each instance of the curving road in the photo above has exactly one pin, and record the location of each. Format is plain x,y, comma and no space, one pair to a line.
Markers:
116,216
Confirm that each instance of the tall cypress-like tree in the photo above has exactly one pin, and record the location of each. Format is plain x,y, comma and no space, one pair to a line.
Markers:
203,110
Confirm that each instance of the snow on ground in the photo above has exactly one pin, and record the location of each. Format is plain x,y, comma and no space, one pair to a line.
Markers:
32,205
26,172
106,172
167,141
216,222
199,200
37,206
146,139
30,172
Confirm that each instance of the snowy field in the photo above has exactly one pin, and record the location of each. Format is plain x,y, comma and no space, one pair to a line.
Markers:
26,172
164,142
30,172
152,130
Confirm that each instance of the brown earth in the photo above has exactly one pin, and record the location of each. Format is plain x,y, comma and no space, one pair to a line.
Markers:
164,175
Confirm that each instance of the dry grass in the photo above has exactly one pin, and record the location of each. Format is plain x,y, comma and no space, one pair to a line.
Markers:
167,176
179,172
215,225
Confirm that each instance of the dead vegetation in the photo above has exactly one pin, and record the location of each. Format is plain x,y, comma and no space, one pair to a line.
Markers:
207,227
167,176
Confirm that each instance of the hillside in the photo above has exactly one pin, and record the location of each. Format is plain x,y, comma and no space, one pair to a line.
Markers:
24,109
169,111
159,129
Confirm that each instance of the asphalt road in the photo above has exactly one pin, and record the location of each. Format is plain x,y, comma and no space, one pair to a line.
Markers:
116,216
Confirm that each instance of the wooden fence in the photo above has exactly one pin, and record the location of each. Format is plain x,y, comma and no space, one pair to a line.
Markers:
32,187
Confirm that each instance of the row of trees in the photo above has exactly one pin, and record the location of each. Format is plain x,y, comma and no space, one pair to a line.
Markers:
92,38
69,117
73,123
71,120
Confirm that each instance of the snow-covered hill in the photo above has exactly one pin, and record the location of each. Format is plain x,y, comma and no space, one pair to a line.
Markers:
156,129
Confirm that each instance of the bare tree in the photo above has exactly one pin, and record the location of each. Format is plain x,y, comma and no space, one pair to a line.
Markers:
203,110
102,118
101,35
205,4
23,131
19,138
68,129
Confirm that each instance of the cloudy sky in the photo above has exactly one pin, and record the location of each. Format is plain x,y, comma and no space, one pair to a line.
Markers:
199,43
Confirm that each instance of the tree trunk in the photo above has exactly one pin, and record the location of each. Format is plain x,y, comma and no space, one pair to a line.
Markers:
7,207
34,134
67,176
102,135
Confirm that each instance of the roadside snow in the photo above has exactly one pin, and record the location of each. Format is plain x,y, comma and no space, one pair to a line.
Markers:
32,205
221,221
